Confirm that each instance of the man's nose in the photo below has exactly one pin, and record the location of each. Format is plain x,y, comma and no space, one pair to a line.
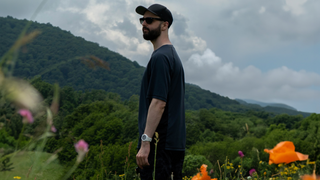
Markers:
144,23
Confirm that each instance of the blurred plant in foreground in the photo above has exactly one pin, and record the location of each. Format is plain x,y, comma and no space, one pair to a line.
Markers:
29,103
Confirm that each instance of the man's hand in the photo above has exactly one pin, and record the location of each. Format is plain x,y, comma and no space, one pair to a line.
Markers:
142,156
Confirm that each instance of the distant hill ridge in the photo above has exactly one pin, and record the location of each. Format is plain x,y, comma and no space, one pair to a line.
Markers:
263,104
52,56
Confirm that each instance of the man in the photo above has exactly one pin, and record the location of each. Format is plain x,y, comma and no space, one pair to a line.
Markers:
161,105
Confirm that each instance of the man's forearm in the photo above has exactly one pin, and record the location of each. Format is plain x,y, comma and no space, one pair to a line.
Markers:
155,112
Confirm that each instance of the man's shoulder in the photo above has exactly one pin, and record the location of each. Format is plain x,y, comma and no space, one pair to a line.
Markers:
164,52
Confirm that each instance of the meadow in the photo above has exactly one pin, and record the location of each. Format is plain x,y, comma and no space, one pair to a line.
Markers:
23,162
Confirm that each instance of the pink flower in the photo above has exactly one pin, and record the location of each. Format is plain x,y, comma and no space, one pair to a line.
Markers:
27,116
252,171
53,129
241,154
81,148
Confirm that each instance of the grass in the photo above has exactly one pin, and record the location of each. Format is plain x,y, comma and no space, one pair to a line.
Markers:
23,161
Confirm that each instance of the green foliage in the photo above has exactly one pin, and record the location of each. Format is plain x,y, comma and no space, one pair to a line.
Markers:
6,165
192,163
6,141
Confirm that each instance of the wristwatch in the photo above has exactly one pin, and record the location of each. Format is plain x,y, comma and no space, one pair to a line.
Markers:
145,137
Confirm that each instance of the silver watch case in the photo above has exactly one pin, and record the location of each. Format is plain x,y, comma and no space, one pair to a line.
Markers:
145,137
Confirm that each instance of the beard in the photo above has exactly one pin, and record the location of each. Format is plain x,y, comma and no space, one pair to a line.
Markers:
152,34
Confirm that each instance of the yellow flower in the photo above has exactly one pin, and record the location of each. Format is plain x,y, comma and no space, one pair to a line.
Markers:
311,162
265,173
260,162
302,166
231,164
121,175
289,178
279,165
16,177
228,167
239,166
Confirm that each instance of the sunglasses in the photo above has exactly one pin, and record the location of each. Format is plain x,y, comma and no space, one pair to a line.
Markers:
149,20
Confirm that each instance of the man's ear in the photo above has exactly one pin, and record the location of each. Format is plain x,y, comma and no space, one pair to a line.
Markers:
165,25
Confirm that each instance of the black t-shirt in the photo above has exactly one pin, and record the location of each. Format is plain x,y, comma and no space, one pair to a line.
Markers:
164,79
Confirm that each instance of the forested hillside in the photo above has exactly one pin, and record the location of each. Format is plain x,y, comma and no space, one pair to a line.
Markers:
110,127
54,56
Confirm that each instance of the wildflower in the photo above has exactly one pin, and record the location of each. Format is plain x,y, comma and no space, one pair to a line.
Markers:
310,177
203,174
22,94
252,171
27,116
81,148
241,154
284,152
265,173
53,129
311,162
17,177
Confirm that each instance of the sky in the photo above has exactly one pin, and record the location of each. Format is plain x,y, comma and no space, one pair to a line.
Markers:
264,50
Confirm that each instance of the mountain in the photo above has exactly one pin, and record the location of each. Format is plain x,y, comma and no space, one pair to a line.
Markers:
263,104
57,56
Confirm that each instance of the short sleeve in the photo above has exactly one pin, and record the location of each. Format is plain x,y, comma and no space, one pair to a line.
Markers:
159,78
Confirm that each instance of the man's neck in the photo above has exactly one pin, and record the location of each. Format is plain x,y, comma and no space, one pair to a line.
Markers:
160,41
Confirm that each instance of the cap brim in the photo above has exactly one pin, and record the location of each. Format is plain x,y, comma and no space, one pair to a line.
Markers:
141,10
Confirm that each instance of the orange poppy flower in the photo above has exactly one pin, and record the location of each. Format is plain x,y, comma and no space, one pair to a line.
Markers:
284,152
310,177
203,174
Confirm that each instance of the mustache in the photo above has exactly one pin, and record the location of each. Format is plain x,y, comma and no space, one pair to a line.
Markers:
144,28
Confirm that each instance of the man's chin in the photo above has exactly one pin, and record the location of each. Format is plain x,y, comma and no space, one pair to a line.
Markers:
146,37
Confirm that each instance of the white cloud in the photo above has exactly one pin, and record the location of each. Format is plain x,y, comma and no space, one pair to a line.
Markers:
262,10
295,6
282,84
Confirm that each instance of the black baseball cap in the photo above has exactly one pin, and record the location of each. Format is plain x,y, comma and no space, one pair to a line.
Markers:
158,10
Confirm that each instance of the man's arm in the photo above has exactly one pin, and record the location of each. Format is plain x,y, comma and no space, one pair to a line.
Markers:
155,112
